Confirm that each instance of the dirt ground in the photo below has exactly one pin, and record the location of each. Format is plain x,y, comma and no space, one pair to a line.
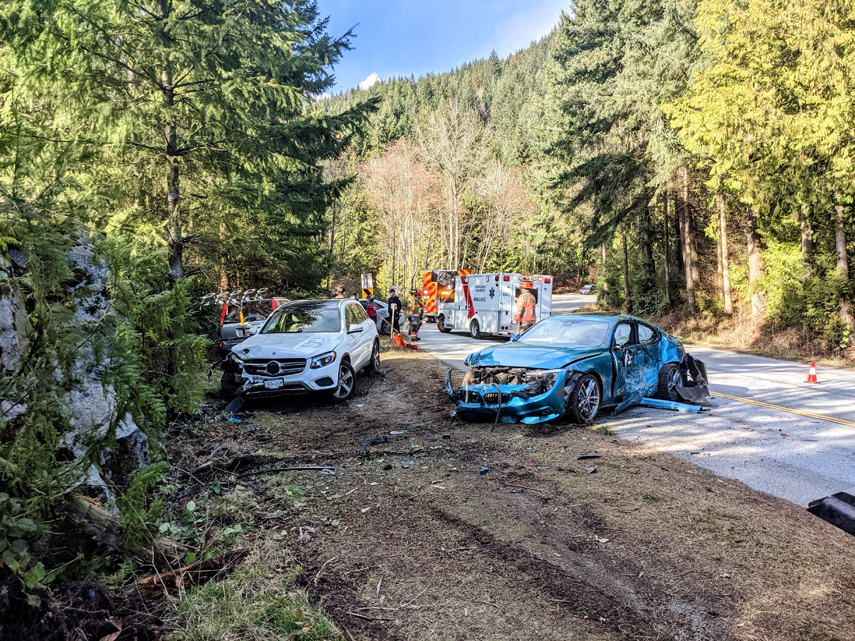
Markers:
409,540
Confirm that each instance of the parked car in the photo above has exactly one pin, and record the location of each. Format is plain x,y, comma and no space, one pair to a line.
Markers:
578,365
231,332
383,324
588,289
305,346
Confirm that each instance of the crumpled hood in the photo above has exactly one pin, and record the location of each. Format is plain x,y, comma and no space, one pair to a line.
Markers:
287,345
533,356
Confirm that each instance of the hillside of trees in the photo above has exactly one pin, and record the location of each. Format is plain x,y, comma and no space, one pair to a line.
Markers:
693,156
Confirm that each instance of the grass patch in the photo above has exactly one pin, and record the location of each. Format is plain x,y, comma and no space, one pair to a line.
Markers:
257,602
602,430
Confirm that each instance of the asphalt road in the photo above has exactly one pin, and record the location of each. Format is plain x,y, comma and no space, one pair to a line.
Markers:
792,456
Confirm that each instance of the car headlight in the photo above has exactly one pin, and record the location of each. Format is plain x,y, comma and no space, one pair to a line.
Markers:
323,360
548,376
235,360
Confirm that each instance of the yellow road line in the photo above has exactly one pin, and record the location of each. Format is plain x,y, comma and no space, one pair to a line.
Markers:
781,408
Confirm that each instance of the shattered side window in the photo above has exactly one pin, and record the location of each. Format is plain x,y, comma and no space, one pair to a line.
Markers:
645,334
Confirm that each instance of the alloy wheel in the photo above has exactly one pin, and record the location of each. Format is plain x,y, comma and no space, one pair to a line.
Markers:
589,399
345,382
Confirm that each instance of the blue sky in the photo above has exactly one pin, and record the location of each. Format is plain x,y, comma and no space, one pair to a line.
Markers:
403,37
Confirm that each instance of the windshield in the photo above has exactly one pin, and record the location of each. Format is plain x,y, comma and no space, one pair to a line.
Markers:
568,331
308,317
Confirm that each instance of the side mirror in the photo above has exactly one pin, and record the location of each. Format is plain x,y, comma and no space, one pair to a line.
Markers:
354,328
514,337
252,330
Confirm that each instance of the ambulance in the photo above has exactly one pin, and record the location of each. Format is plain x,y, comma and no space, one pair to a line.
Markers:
485,303
438,286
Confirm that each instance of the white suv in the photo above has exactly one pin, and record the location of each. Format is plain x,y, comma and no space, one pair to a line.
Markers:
305,346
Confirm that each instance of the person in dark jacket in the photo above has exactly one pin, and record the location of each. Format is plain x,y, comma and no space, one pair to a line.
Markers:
395,308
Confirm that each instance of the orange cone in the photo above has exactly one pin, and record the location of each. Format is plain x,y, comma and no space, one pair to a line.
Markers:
812,373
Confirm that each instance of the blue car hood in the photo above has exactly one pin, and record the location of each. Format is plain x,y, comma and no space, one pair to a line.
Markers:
533,356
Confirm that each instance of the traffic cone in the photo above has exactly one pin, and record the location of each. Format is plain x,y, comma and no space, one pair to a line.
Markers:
812,373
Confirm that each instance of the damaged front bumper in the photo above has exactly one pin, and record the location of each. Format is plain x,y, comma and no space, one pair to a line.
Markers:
532,402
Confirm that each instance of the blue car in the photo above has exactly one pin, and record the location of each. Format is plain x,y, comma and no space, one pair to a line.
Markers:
578,365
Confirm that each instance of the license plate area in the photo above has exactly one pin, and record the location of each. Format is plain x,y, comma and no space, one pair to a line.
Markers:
274,383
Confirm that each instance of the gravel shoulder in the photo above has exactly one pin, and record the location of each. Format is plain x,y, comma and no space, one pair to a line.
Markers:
410,541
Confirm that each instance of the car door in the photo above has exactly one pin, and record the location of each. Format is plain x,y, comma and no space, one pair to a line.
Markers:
626,360
369,333
353,314
648,341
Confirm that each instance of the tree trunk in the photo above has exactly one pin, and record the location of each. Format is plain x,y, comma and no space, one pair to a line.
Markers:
627,303
224,277
842,262
173,225
667,251
685,239
807,241
755,265
725,261
690,232
605,280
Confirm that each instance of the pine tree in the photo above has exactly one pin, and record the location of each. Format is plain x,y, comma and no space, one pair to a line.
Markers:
191,102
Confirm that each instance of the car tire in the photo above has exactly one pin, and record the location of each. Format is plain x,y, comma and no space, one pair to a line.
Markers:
374,365
585,400
346,383
669,378
385,328
228,383
474,329
440,324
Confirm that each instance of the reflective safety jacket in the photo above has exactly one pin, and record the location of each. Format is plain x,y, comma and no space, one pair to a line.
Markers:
524,312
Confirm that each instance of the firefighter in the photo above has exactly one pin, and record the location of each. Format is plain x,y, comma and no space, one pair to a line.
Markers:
395,308
414,313
524,310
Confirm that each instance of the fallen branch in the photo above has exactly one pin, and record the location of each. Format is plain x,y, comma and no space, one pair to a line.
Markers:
193,574
273,470
103,527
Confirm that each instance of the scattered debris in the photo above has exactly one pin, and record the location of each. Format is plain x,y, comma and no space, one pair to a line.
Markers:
446,436
221,448
303,468
397,432
483,471
194,574
602,540
519,490
838,509
373,441
235,405
669,405
590,470
439,487
587,455
306,533
232,419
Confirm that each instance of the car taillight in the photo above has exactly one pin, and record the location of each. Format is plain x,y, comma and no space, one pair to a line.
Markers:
547,280
223,315
274,304
506,278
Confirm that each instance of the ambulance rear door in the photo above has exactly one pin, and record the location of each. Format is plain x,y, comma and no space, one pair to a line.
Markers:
544,297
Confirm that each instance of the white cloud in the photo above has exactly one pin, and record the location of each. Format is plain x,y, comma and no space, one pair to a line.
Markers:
370,81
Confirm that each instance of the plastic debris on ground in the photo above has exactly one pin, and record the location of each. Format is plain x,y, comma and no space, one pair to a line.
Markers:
516,491
397,432
483,471
586,455
373,441
669,405
232,419
590,470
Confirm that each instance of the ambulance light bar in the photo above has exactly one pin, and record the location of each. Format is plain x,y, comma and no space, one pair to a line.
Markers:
506,278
